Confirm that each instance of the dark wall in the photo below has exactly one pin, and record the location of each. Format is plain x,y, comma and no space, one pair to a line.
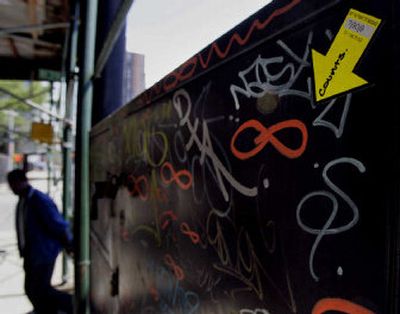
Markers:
226,188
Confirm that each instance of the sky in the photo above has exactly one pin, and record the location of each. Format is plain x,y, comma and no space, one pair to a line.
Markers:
169,32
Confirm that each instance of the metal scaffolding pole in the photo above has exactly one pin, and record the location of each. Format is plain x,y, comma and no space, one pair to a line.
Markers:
49,151
85,97
87,73
72,43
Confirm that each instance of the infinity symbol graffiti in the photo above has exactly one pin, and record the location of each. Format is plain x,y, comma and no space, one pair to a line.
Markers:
178,272
185,229
138,186
176,176
267,135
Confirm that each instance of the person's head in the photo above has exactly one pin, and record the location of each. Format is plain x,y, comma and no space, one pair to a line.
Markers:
17,181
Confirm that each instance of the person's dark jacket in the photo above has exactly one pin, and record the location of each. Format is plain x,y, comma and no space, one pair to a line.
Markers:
46,231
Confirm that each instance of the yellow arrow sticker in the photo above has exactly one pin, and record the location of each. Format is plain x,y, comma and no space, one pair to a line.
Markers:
333,73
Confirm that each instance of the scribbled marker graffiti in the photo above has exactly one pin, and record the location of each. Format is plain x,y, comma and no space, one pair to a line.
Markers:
259,79
183,107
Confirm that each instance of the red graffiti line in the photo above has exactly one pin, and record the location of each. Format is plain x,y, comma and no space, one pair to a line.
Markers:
177,270
194,236
267,135
256,25
140,186
169,216
341,305
176,176
124,234
184,72
187,70
154,293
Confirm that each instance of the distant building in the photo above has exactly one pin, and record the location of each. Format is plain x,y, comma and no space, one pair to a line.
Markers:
134,77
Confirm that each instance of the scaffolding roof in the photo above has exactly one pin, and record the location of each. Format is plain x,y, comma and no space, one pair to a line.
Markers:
32,37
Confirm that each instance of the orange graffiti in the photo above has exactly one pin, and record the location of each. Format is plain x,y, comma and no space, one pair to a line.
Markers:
154,293
140,186
177,270
124,234
167,214
267,135
341,305
194,236
176,176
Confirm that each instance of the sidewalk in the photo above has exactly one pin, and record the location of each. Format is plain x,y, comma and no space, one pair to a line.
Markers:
12,296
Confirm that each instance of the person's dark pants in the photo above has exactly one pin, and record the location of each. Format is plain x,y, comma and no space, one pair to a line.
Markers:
45,299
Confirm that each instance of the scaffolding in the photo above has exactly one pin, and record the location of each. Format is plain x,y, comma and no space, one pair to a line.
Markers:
76,39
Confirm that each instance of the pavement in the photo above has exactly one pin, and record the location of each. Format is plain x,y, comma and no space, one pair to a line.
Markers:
12,297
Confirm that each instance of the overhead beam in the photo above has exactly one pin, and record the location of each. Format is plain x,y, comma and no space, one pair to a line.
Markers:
11,104
32,28
34,106
38,42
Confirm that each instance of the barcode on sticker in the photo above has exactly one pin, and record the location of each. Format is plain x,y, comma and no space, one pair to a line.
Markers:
359,28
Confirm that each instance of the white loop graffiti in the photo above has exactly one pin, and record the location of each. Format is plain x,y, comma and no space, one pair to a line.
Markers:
326,230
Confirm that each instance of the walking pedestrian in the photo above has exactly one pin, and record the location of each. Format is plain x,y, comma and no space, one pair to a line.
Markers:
42,233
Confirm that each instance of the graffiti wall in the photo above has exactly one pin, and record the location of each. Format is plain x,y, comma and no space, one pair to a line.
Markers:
260,176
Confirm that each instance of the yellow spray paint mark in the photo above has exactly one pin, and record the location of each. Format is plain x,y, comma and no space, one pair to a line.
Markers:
333,73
